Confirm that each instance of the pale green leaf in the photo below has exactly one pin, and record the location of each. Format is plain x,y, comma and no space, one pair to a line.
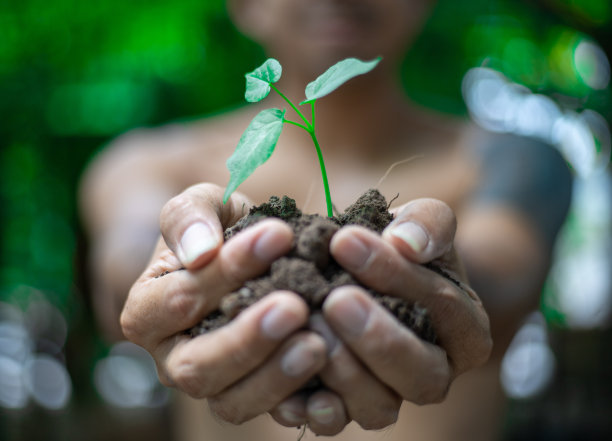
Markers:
254,148
336,76
258,81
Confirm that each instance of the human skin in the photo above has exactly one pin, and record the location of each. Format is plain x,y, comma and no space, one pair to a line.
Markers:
145,169
251,365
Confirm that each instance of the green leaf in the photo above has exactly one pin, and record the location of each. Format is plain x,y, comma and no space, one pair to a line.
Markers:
254,148
258,81
336,76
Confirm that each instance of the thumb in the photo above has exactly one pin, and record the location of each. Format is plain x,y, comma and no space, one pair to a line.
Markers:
192,223
423,230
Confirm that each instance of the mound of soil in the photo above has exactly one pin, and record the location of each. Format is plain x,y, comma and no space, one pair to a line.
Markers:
308,269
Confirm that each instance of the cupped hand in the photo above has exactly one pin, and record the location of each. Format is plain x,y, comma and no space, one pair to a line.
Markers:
248,366
374,361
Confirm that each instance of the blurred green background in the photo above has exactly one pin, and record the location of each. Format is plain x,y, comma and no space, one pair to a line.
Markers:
73,75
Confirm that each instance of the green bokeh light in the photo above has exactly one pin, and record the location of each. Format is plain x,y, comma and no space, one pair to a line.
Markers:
99,108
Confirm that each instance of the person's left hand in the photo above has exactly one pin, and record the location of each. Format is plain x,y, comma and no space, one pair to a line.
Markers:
375,362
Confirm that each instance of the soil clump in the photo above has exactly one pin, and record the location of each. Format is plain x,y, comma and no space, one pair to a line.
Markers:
308,269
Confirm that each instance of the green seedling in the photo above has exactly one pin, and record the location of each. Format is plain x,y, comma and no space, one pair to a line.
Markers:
259,139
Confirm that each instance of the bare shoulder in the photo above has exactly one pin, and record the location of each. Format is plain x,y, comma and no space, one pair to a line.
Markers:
171,145
160,162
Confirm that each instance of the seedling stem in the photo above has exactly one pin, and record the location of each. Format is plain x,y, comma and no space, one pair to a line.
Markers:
259,140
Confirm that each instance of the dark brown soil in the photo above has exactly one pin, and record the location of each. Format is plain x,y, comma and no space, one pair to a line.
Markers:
308,269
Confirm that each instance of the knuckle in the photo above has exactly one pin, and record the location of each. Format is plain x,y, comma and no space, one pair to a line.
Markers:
205,190
234,267
233,270
385,267
175,205
432,395
474,343
448,213
226,411
186,376
162,374
241,354
184,304
445,299
130,318
130,326
238,205
442,210
188,201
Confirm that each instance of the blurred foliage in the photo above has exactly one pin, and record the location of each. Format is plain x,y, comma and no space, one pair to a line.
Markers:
75,74
533,43
72,75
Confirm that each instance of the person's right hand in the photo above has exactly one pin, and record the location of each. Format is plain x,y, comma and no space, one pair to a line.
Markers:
248,366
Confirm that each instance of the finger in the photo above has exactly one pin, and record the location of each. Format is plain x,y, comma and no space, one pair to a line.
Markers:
416,370
457,315
192,223
157,307
299,358
325,412
423,230
205,365
372,405
291,412
376,263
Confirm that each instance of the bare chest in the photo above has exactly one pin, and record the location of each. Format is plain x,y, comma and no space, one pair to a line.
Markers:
400,181
294,171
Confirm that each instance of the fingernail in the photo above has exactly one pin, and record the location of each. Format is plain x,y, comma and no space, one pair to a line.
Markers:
323,415
197,240
348,313
267,247
277,323
413,234
298,360
354,253
291,417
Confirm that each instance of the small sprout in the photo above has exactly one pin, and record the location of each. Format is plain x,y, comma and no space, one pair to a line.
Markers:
258,82
255,147
336,76
261,136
